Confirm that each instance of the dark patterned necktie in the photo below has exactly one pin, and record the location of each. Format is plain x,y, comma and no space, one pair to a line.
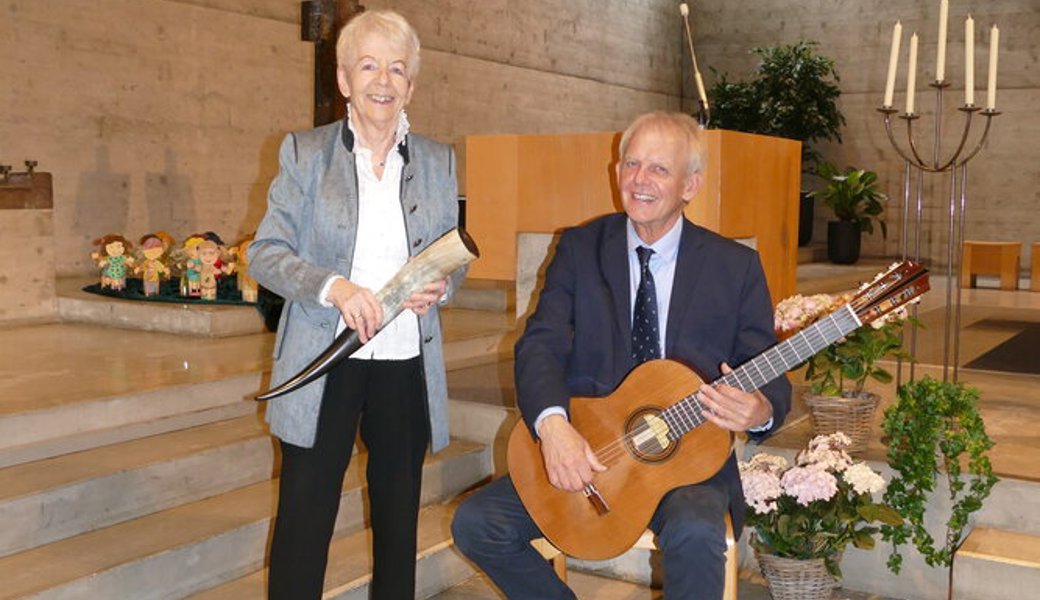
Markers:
646,342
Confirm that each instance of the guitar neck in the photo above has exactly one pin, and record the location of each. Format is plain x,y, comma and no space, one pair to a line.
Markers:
686,414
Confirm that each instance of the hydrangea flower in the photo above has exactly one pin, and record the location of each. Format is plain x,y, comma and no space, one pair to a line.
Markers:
815,507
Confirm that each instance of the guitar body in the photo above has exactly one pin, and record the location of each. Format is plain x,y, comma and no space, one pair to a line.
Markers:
639,474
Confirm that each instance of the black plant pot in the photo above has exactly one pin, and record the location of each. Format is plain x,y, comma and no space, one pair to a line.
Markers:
805,218
843,242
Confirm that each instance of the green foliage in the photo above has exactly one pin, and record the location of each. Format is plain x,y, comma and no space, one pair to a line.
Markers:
930,430
853,196
792,94
845,366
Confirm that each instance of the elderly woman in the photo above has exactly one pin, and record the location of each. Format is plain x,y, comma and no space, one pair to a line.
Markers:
352,202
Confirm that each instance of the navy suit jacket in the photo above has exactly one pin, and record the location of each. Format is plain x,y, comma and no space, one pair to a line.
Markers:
578,340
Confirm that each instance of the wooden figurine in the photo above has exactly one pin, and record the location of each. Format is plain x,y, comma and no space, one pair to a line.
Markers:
151,266
212,267
246,284
113,260
191,280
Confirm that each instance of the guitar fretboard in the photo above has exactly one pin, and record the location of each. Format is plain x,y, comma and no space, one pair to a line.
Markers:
686,414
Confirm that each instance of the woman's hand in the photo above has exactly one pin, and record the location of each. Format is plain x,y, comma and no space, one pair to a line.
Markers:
422,301
359,307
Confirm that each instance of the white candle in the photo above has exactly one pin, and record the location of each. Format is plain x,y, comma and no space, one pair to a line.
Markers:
991,89
940,57
969,61
911,75
893,56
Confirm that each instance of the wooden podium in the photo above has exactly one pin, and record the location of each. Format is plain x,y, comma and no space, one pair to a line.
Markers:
544,183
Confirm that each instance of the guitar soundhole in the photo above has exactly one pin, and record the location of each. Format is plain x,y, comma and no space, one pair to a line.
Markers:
646,436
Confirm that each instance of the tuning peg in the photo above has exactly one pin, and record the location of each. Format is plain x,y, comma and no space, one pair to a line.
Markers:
30,166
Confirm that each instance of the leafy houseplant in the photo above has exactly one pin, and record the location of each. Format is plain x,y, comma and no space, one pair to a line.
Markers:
792,94
838,374
816,507
857,202
931,428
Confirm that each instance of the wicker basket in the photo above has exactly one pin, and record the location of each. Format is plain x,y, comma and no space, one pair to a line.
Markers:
852,415
794,579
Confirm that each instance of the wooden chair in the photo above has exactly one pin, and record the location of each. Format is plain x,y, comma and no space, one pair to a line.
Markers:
991,258
646,542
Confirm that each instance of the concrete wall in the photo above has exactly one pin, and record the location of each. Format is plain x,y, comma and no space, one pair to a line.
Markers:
1003,194
167,114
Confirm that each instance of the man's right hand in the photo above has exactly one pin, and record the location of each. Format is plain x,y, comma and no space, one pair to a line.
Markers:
569,461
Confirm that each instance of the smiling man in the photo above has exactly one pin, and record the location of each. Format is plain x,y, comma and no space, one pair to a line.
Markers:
620,290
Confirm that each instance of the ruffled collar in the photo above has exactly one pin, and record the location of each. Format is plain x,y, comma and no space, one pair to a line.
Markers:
400,136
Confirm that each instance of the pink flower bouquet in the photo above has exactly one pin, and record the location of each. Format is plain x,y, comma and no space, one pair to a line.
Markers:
816,507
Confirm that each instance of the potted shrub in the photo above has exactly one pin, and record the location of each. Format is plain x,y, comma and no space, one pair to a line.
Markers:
803,516
838,374
857,202
935,431
793,94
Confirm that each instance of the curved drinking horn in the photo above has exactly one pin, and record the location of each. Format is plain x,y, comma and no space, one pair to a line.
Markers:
449,252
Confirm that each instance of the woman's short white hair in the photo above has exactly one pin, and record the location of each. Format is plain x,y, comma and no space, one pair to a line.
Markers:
682,123
386,23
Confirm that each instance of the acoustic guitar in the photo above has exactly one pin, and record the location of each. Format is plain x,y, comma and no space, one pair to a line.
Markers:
652,434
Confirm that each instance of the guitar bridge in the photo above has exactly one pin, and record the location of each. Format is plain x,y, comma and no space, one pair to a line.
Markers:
596,499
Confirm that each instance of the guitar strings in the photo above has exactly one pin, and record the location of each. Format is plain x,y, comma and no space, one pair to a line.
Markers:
613,450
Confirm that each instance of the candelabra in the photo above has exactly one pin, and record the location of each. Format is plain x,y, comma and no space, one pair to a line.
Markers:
956,164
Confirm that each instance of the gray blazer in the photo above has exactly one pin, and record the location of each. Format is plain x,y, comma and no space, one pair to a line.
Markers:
309,233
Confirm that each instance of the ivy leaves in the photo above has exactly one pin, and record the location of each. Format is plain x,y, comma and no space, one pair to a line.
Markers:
933,427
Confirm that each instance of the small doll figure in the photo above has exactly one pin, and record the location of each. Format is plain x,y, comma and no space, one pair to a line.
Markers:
191,281
113,260
151,266
211,268
246,284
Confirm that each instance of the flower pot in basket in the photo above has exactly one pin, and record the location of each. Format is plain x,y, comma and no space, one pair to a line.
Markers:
796,579
852,414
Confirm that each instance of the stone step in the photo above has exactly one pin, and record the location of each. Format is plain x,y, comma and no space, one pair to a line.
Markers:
53,499
83,423
827,278
348,575
195,546
485,294
812,253
994,564
476,337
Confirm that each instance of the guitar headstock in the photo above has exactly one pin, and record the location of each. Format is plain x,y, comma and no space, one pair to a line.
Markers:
901,283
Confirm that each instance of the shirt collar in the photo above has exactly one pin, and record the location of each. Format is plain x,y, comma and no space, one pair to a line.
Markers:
400,136
667,248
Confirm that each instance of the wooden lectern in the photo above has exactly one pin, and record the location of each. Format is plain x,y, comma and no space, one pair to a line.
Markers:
544,183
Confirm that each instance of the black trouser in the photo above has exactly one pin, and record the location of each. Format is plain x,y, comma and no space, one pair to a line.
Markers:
387,397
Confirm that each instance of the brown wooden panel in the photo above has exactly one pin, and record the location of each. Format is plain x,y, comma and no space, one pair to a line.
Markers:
555,181
21,191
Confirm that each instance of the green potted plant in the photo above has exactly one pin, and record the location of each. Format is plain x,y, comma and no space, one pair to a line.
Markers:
793,93
838,374
856,201
934,431
802,516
